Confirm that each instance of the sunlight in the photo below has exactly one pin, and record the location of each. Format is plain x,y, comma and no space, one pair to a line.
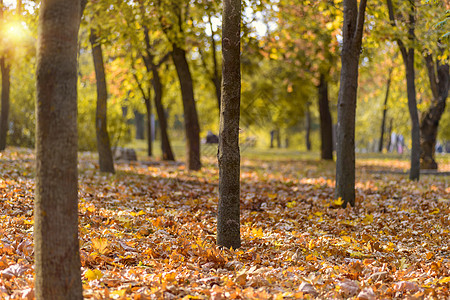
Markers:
14,32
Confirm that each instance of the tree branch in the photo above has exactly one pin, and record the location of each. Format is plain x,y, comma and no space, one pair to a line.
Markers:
432,75
360,21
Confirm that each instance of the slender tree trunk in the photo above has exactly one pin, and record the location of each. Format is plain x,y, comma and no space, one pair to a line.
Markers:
216,76
139,121
326,124
308,128
166,149
5,69
165,142
430,119
345,149
56,245
228,217
148,123
383,121
408,60
191,124
103,144
389,134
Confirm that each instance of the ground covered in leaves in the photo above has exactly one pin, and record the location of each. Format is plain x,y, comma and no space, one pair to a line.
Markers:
148,232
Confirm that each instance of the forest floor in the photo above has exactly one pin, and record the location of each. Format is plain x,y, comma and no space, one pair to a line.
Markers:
148,232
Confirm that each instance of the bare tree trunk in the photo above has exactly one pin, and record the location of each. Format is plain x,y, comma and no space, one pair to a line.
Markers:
148,123
56,245
345,149
103,144
165,142
228,217
308,128
326,126
5,69
167,153
191,124
408,60
383,121
438,74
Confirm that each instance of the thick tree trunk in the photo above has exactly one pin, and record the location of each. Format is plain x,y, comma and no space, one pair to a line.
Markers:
56,245
430,118
191,124
383,120
5,69
228,217
148,126
326,124
105,157
345,149
308,128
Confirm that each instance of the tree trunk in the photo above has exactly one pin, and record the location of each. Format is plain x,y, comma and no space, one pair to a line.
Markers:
56,245
326,124
345,149
105,157
167,153
166,149
191,125
5,69
430,118
383,121
139,121
408,60
308,128
414,173
148,123
228,217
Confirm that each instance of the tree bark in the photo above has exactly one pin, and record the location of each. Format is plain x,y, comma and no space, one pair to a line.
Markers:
438,74
326,124
56,245
167,153
345,149
408,60
191,124
383,120
105,157
148,125
5,69
308,128
228,217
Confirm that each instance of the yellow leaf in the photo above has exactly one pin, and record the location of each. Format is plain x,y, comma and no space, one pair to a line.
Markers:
430,255
368,219
444,280
338,201
93,274
435,211
347,238
100,245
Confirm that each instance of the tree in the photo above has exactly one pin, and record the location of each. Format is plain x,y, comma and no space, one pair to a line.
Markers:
103,144
5,69
383,120
438,74
326,123
152,68
345,148
172,17
408,60
56,245
228,216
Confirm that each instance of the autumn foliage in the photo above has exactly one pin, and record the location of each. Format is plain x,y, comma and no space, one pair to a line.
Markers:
148,232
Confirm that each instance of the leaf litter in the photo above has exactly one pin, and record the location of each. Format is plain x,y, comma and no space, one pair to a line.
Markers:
148,232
